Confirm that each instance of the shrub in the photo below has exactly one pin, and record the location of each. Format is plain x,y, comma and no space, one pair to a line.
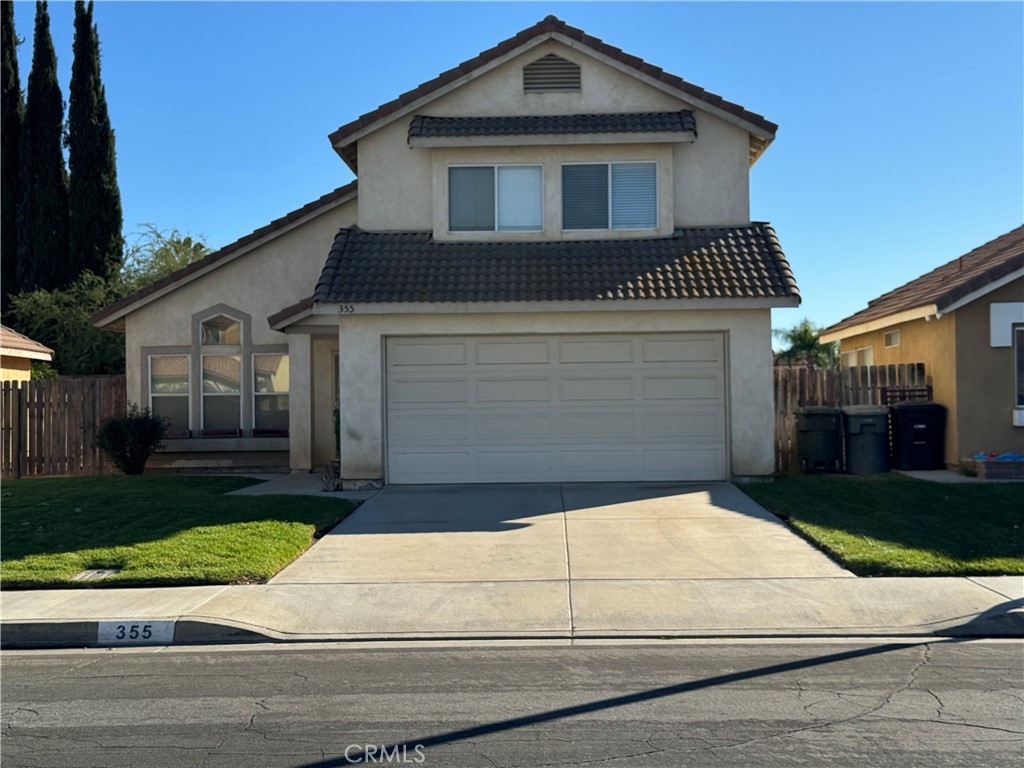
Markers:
131,439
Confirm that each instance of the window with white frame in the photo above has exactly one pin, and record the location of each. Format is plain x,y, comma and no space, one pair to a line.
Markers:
270,395
169,392
859,356
891,339
221,362
1018,359
488,198
610,196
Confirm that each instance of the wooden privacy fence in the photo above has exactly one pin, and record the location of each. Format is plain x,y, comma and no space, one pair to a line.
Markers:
48,426
862,385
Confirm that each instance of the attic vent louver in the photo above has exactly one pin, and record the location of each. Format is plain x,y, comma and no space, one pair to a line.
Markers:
551,73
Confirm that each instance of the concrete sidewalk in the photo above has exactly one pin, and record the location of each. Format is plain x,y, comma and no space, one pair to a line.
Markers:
634,608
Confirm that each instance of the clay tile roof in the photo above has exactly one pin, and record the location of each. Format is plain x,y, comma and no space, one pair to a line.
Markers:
277,224
12,341
949,283
549,25
744,262
424,126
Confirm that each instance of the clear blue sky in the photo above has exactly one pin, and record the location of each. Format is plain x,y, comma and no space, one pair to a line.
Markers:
899,147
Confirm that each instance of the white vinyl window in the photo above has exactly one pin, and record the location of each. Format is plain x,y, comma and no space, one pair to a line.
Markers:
892,339
270,383
858,357
1018,360
169,392
221,364
610,196
503,198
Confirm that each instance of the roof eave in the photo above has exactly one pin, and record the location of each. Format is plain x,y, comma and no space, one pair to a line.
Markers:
839,331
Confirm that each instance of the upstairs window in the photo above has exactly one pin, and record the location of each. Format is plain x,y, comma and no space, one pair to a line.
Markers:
551,73
503,198
610,196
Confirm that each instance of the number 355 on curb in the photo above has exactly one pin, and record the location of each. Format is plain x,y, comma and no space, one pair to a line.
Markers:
135,633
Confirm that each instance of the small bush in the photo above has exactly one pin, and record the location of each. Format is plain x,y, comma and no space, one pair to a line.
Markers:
131,439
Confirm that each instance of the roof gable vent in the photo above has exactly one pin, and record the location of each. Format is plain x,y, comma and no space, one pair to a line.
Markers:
551,73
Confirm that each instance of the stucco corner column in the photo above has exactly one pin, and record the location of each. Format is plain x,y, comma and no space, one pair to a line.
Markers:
300,402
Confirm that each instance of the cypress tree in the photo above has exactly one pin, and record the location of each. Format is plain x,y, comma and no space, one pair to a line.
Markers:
12,113
43,213
95,200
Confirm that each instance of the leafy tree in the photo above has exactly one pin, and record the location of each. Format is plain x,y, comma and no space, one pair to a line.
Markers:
60,319
96,241
804,348
43,260
157,253
12,114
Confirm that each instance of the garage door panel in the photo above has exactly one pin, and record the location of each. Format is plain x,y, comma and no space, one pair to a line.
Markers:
513,390
682,387
586,388
513,352
416,352
596,351
584,408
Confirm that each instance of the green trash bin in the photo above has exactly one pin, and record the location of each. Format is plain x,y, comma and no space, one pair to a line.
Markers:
867,439
818,443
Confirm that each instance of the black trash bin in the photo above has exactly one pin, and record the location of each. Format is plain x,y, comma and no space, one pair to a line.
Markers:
818,444
918,435
867,439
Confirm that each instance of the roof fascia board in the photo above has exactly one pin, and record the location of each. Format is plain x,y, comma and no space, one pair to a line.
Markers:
541,139
412,106
575,45
25,354
917,313
664,87
499,307
186,279
974,296
306,317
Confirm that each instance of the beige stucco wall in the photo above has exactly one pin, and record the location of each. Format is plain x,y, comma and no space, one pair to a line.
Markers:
15,368
930,342
361,369
985,379
274,275
709,177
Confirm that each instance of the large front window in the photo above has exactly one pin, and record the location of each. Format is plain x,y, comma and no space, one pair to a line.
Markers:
169,392
610,196
270,394
222,394
504,198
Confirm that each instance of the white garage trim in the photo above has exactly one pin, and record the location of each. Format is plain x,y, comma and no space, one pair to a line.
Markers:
535,408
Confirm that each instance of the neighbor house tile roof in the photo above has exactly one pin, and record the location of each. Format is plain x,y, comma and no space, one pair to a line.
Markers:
13,342
949,283
100,318
424,126
742,262
554,25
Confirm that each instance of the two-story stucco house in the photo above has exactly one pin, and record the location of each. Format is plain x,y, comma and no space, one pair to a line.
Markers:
547,271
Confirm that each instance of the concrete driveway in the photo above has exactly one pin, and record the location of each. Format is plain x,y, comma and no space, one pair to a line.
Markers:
557,533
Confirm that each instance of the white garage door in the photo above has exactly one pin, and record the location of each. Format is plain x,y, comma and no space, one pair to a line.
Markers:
496,409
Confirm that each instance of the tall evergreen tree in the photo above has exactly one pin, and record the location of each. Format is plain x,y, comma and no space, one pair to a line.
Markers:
12,113
43,213
96,240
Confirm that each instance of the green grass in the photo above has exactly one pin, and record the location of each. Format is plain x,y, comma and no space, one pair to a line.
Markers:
160,531
892,525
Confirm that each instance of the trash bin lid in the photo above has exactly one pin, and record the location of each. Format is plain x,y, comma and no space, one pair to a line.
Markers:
927,405
866,410
826,409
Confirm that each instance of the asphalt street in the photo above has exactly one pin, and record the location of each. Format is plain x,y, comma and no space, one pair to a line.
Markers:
706,704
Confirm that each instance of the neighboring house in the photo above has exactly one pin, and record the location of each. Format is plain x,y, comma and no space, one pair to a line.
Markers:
965,322
17,352
548,272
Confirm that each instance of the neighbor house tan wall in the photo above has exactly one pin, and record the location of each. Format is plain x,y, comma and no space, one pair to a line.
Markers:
985,379
930,342
709,178
15,368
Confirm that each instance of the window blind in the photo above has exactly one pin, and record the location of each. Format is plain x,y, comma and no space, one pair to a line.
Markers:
471,199
634,196
519,198
585,196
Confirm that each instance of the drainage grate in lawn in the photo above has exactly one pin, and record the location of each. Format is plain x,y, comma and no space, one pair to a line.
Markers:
94,574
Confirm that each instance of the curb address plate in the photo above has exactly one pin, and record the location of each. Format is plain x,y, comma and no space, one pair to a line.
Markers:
136,632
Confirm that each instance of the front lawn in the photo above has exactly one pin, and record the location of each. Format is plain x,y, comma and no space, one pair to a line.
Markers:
892,525
161,531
